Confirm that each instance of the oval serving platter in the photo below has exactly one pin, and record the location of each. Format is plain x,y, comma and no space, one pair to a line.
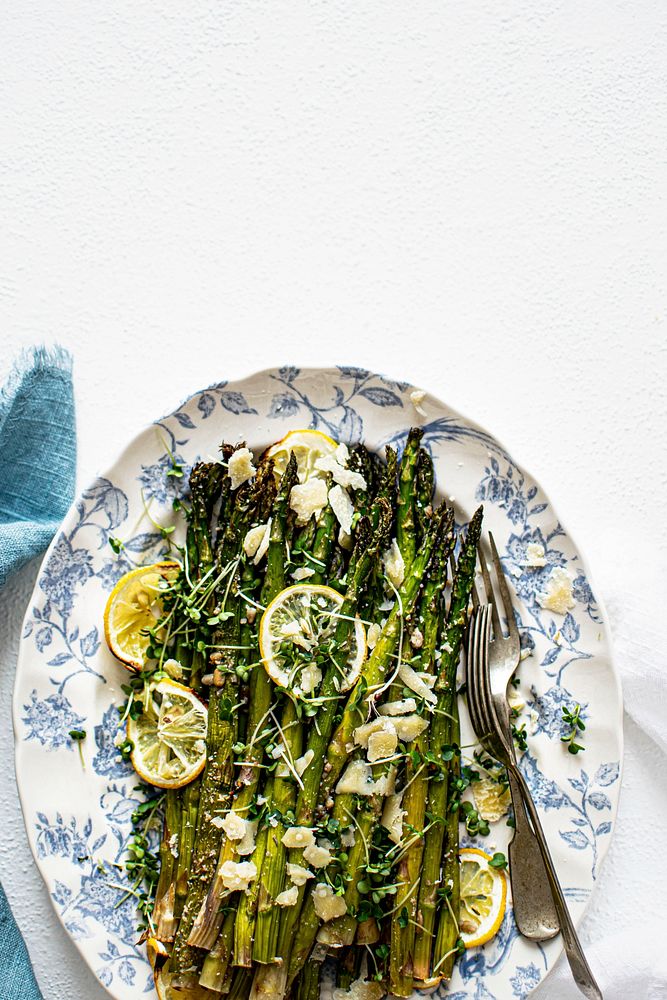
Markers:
78,821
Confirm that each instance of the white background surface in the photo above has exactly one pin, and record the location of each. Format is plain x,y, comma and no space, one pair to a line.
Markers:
470,196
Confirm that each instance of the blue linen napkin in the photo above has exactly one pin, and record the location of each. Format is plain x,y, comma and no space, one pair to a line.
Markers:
38,450
37,473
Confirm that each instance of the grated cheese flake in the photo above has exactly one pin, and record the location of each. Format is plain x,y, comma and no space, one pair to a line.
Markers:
327,904
412,680
298,836
234,826
394,564
342,507
308,499
237,875
240,467
557,596
298,874
289,897
535,555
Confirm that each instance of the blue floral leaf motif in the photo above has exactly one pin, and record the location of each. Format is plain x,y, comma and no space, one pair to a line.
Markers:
545,792
288,373
98,843
495,466
206,404
472,964
41,817
113,948
524,980
61,893
90,643
584,777
157,484
104,974
579,821
108,762
550,656
579,786
569,629
575,838
358,374
607,774
380,397
126,972
532,493
111,572
602,828
74,635
58,660
340,396
27,630
235,402
185,420
538,508
110,499
282,406
599,800
43,639
50,721
67,568
351,427
78,930
141,543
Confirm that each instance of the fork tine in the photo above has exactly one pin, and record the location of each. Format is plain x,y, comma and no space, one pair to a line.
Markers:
471,674
497,630
504,591
475,596
476,650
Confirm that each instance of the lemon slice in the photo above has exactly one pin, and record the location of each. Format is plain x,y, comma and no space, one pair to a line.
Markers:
483,897
134,606
295,636
169,736
307,445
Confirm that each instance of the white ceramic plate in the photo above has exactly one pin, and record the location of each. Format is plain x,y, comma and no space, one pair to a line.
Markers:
78,820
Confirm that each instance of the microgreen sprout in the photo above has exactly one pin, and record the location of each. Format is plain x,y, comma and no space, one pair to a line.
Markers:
574,722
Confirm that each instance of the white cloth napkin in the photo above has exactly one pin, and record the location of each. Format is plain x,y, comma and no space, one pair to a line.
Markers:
630,962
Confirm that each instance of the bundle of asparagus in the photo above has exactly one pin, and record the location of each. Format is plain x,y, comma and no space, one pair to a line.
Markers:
315,614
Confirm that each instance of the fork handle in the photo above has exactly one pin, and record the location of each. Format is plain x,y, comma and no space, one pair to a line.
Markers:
534,907
580,968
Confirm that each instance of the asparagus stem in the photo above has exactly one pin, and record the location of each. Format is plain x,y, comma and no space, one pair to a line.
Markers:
405,517
208,920
403,918
440,733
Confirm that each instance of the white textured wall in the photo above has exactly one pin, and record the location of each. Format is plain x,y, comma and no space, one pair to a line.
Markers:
464,193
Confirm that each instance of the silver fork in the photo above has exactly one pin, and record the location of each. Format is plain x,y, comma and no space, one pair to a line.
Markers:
496,743
534,909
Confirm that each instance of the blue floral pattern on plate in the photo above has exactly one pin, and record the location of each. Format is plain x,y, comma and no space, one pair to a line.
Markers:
78,820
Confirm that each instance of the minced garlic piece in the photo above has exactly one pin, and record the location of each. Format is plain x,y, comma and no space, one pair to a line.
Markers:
307,499
558,594
535,555
342,507
327,904
289,897
317,856
298,874
392,817
173,668
394,564
238,874
240,467
402,707
412,680
298,836
234,826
